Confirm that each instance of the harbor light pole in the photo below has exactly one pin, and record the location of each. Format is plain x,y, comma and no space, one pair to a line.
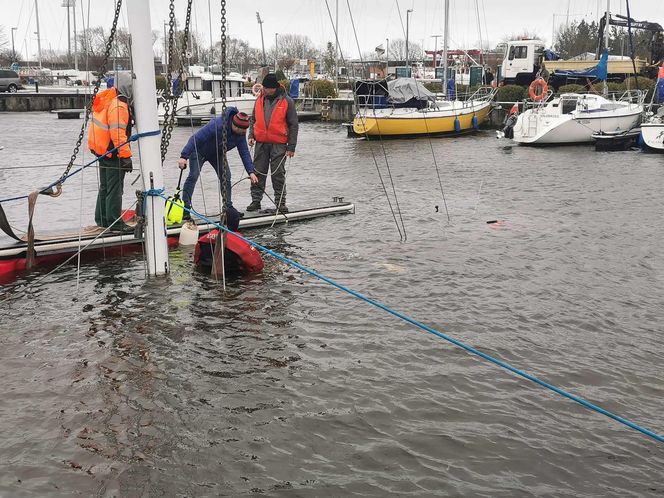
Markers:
260,23
408,12
156,249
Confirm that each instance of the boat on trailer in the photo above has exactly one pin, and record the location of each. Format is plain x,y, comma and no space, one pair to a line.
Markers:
54,248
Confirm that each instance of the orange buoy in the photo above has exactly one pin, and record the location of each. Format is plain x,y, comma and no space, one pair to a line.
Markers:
538,90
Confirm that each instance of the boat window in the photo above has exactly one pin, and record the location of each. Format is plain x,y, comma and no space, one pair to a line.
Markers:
568,105
511,56
521,52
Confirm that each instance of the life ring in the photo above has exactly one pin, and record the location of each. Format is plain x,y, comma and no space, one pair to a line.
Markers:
538,90
257,89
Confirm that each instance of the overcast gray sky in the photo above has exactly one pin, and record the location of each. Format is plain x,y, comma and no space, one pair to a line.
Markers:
375,20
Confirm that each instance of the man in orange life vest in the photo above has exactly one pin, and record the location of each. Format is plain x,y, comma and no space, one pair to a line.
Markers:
111,127
273,129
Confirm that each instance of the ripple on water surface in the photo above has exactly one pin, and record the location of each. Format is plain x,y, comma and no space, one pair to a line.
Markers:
284,386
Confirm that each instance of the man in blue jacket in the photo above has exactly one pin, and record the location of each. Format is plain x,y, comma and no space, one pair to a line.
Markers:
206,145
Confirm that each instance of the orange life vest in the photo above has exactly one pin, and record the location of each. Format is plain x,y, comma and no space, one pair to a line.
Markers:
108,129
277,131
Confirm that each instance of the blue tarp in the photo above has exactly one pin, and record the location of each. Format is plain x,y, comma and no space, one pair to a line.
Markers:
451,90
294,89
598,72
550,55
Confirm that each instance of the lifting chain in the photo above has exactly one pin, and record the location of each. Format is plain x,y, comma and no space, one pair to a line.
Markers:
88,109
224,139
169,120
168,93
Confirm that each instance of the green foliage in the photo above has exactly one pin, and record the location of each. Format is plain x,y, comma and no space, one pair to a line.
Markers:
646,85
576,38
280,75
511,93
320,89
615,87
434,86
572,88
160,81
285,83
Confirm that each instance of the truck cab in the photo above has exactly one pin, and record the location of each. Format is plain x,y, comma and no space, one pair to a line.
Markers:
522,61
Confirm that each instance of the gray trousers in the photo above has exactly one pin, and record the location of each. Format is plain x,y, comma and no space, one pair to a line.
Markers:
270,157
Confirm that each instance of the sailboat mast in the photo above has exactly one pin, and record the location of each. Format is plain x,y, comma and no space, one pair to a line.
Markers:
605,90
156,249
445,37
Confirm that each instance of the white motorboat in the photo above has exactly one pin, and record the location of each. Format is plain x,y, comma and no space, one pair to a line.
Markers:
652,131
574,118
201,98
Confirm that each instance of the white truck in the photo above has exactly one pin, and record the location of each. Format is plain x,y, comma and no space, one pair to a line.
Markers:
522,61
524,58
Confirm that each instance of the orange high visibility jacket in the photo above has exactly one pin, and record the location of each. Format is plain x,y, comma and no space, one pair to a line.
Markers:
277,131
110,121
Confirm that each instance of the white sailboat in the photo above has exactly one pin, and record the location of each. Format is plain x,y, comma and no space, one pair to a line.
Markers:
201,98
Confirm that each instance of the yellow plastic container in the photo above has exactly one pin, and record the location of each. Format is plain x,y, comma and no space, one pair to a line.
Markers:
174,210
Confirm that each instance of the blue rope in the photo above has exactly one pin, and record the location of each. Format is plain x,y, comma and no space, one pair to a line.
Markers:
132,138
437,333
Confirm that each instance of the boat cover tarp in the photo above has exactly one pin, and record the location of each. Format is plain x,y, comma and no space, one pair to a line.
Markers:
402,90
598,72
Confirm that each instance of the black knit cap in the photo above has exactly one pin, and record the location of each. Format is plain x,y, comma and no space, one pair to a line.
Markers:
270,81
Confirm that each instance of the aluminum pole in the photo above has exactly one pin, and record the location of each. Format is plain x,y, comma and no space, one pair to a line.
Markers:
39,53
13,49
145,94
75,44
445,37
605,90
66,4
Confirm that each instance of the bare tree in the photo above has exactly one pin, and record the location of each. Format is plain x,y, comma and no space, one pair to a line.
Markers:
292,46
398,50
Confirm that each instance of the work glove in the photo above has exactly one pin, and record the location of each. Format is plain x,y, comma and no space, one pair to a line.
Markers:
126,164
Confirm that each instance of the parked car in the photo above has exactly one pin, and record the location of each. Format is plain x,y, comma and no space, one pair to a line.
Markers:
9,81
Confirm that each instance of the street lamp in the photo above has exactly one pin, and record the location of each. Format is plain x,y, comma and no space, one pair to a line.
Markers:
408,12
260,23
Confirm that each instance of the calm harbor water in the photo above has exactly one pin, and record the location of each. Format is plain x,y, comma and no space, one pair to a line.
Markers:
114,385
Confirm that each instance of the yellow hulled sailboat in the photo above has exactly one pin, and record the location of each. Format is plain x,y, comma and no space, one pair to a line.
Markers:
407,108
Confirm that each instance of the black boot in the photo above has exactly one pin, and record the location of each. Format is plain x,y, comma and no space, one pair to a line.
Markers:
254,206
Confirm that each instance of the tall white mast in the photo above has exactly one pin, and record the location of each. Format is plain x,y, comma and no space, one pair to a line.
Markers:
605,90
38,35
75,43
445,37
145,91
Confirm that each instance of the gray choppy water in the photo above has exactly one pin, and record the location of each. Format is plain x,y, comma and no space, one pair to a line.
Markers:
281,385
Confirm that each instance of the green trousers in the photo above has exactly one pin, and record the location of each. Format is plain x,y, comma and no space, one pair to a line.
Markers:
109,199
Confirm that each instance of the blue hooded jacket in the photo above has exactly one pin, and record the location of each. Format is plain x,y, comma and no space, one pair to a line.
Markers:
208,141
